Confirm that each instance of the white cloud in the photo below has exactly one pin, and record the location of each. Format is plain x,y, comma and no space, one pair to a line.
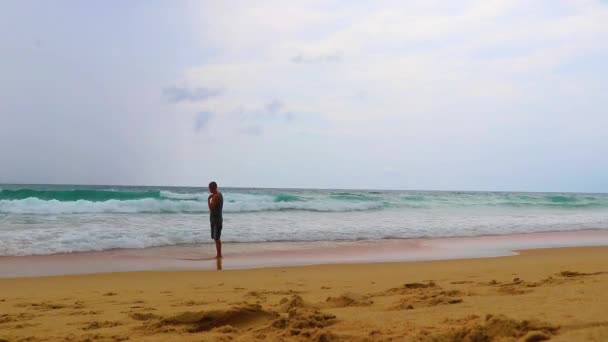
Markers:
313,59
202,120
439,78
404,54
314,87
186,94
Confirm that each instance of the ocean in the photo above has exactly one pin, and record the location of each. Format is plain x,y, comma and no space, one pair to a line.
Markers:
50,219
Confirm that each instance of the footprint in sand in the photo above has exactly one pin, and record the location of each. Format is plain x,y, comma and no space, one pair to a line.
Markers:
348,299
416,295
407,288
306,323
226,329
8,318
461,282
493,328
143,316
240,317
295,301
573,274
84,313
190,303
98,325
260,296
45,306
143,308
518,286
24,325
277,292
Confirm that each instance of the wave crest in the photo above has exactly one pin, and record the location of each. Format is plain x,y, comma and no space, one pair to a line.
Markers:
149,205
69,195
194,200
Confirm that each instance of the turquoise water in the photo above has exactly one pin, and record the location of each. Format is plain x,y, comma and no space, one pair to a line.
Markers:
82,199
44,219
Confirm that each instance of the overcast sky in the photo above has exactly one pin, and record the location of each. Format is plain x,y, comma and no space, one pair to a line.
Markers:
440,95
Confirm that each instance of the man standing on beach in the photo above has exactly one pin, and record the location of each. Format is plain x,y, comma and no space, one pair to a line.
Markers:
216,203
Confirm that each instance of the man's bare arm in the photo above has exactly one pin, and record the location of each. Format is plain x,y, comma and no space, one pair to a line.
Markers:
213,201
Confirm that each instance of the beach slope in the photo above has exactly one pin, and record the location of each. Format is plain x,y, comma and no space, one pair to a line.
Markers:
559,294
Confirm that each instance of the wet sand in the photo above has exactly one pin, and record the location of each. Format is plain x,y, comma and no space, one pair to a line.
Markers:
557,293
277,254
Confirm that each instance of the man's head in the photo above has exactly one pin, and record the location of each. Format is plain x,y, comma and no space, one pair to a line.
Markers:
213,187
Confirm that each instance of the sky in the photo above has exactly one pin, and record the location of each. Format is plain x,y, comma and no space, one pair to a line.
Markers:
422,94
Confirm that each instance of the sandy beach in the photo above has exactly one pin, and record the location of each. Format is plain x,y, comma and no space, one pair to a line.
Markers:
352,171
559,294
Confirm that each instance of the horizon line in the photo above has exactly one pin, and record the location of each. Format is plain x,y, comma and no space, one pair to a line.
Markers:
299,188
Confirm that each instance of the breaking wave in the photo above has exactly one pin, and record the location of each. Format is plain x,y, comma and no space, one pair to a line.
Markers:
78,201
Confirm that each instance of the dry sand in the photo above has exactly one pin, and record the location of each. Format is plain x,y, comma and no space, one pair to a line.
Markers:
561,294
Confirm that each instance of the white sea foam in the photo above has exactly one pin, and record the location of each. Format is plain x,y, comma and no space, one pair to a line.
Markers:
183,196
69,240
147,205
59,221
50,234
242,203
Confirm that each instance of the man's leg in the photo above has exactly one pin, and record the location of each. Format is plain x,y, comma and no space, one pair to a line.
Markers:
218,248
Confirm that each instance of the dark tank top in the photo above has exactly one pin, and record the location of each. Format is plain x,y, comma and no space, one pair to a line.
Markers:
217,211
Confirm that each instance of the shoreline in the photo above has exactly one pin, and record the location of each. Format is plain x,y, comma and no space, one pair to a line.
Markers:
286,254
